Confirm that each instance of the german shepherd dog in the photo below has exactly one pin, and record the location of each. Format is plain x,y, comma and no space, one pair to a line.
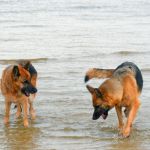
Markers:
18,85
121,89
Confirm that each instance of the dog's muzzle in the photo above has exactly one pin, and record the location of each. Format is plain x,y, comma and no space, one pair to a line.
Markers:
29,89
86,79
99,111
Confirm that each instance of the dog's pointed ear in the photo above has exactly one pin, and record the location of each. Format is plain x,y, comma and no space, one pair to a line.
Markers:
16,72
27,65
91,89
98,93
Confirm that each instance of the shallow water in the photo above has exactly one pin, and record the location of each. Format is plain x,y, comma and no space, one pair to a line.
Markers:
63,39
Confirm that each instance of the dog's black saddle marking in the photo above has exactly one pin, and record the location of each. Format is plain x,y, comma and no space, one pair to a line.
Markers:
32,70
136,71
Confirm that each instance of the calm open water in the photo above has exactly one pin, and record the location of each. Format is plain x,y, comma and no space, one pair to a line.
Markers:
64,38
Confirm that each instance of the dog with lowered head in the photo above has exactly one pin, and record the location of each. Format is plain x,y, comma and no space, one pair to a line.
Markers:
121,89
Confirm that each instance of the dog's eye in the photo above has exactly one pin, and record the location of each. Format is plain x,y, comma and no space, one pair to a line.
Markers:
25,81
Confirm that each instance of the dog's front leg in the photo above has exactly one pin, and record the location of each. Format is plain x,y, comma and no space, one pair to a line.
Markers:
18,113
120,117
131,117
7,111
31,109
25,112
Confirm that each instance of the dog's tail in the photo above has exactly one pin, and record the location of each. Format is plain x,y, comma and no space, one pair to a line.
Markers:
98,73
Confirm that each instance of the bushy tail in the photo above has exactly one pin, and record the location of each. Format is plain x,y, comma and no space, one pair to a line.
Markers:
98,73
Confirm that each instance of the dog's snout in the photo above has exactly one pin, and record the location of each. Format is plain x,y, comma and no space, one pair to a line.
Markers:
86,79
97,113
34,90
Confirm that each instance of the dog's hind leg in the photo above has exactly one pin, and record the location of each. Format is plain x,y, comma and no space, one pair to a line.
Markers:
120,117
131,117
7,111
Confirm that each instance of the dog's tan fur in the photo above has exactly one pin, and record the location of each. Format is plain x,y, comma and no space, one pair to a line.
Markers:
10,88
99,73
120,90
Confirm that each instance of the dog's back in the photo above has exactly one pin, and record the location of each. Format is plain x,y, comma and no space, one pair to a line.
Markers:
129,67
126,67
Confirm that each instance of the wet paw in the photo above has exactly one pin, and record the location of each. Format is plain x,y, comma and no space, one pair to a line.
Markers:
126,133
26,124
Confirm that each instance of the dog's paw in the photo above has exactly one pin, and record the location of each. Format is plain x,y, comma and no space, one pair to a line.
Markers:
126,132
26,123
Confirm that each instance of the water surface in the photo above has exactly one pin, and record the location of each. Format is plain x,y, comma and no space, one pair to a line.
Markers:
63,39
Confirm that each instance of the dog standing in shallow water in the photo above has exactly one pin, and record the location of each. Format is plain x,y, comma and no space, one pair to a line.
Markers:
18,85
121,89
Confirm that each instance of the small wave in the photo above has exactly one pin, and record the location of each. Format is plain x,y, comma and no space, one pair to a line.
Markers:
48,77
13,61
86,7
68,129
145,69
26,26
21,11
73,137
118,53
129,52
9,21
10,40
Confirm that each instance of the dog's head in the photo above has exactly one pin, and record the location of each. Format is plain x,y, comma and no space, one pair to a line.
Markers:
101,107
22,79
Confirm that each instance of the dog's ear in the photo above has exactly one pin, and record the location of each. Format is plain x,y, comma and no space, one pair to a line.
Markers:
98,93
91,89
16,73
27,65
